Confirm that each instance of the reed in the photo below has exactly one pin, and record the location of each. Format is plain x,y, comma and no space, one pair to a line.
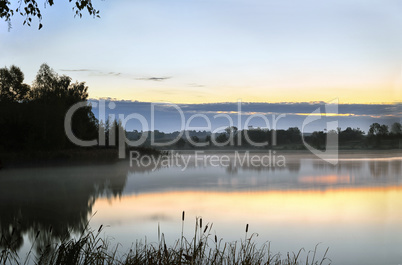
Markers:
203,248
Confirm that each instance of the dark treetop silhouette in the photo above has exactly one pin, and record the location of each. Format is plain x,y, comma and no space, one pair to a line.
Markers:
32,118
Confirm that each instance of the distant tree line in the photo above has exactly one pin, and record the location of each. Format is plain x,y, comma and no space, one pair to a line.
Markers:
378,136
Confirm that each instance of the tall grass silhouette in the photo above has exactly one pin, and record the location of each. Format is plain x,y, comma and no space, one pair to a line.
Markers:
203,248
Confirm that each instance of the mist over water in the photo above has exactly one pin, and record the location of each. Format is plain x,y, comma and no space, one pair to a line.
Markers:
307,201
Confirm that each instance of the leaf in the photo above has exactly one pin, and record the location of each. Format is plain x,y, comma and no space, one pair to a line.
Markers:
40,26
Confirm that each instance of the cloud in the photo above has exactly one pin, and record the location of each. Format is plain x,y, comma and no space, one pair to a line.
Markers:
76,70
92,72
156,79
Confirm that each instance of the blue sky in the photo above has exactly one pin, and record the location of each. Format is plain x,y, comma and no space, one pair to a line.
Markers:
219,51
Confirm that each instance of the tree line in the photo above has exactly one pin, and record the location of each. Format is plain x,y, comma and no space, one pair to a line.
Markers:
378,136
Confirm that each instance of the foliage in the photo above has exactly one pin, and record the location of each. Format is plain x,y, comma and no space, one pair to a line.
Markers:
396,128
32,118
181,143
350,134
31,9
12,87
378,136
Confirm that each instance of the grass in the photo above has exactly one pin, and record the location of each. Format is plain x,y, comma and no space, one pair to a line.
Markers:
203,248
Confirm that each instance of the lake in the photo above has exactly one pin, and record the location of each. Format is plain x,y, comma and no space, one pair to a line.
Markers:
353,207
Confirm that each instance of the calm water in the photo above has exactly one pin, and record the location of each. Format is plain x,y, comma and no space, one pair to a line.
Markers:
354,208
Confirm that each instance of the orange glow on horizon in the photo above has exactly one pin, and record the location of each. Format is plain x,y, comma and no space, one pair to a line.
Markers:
375,94
368,205
225,97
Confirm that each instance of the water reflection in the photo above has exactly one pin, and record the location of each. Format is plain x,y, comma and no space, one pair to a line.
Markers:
396,167
300,173
55,201
58,201
359,225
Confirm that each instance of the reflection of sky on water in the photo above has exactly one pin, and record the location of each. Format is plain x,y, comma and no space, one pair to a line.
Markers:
360,226
299,173
353,207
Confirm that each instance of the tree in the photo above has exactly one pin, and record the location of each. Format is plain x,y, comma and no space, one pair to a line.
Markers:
293,135
12,88
232,130
181,143
222,138
377,133
48,86
351,134
396,128
374,129
114,130
30,9
34,118
208,139
383,130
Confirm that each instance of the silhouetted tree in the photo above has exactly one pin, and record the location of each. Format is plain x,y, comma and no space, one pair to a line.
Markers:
34,118
113,132
255,135
181,143
293,135
396,128
350,134
383,130
222,138
208,139
318,139
232,130
377,133
374,129
12,88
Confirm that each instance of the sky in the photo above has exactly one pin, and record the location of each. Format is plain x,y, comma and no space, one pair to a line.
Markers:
211,51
